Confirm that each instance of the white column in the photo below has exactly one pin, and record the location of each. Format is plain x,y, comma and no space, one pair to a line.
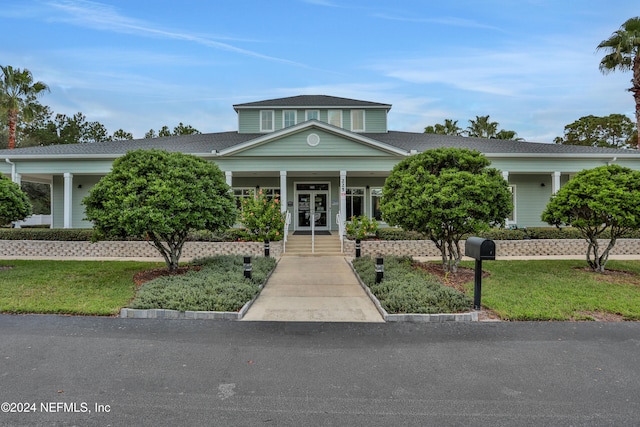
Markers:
556,182
228,175
343,195
283,191
68,190
17,178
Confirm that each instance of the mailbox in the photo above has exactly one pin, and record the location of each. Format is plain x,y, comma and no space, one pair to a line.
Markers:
480,249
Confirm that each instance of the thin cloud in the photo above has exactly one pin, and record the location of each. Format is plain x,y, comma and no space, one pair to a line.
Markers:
447,21
106,18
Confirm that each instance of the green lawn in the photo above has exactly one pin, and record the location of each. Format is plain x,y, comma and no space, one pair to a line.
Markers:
559,290
69,287
515,290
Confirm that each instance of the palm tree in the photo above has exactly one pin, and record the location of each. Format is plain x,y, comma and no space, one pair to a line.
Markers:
508,134
18,93
481,127
450,127
623,49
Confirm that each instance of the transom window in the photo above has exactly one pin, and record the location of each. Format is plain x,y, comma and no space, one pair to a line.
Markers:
312,115
288,118
335,118
266,121
357,120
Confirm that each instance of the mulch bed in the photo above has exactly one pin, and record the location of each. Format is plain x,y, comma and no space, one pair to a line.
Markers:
148,275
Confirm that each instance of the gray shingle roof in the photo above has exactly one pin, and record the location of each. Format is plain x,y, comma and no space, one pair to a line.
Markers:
425,141
312,101
207,142
200,143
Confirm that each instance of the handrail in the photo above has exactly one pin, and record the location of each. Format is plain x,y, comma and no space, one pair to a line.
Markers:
341,230
287,222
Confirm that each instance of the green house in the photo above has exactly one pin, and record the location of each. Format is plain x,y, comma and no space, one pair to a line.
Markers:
325,156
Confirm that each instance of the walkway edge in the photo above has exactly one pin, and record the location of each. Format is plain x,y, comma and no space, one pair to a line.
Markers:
415,318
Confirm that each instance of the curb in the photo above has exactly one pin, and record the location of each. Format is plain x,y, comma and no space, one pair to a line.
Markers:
415,318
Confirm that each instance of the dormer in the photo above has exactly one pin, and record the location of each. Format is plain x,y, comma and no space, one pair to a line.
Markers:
275,114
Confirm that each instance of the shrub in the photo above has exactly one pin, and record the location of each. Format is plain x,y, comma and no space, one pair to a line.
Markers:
407,290
262,218
361,227
219,286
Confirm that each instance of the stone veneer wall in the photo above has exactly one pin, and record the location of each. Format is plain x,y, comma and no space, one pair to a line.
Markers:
541,247
134,249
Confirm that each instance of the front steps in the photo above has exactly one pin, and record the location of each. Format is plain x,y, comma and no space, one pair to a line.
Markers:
324,246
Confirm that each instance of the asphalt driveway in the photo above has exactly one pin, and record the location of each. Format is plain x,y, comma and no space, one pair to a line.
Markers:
111,371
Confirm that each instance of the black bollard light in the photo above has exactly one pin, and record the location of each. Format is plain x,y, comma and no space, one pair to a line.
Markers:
247,267
379,270
357,248
266,248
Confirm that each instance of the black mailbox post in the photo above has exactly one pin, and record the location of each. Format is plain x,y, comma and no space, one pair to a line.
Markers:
479,249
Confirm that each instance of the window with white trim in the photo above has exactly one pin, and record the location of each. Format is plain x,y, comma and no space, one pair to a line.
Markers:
357,120
376,198
288,118
244,192
312,115
266,121
334,117
355,202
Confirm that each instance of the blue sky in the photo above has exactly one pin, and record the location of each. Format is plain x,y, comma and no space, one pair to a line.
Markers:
141,64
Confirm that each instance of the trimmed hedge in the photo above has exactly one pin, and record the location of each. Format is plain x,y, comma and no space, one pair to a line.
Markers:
237,234
219,286
85,234
407,290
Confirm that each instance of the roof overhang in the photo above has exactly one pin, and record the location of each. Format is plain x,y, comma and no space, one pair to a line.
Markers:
313,124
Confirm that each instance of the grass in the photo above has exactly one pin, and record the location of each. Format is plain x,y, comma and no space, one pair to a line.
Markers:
559,290
68,287
515,290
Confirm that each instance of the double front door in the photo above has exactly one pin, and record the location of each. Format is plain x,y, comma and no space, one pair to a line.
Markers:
312,206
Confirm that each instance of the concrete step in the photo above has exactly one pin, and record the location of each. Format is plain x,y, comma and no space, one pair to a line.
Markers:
323,246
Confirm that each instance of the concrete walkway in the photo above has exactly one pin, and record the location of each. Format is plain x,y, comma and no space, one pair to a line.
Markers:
313,289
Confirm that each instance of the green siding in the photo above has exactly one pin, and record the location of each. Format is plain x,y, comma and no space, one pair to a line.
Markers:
375,120
548,164
531,198
296,145
82,184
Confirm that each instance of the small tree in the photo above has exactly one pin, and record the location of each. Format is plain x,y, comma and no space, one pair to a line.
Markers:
160,196
446,193
596,200
14,203
262,217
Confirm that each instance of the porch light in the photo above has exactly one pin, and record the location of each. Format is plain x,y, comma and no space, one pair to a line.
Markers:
379,269
247,267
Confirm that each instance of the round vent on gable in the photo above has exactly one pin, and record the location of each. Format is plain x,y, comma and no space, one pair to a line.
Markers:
313,139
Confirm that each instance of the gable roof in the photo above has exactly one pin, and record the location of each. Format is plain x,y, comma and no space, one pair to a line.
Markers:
311,102
228,143
316,125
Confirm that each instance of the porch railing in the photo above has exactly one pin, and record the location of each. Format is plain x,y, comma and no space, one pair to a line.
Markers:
287,222
341,230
